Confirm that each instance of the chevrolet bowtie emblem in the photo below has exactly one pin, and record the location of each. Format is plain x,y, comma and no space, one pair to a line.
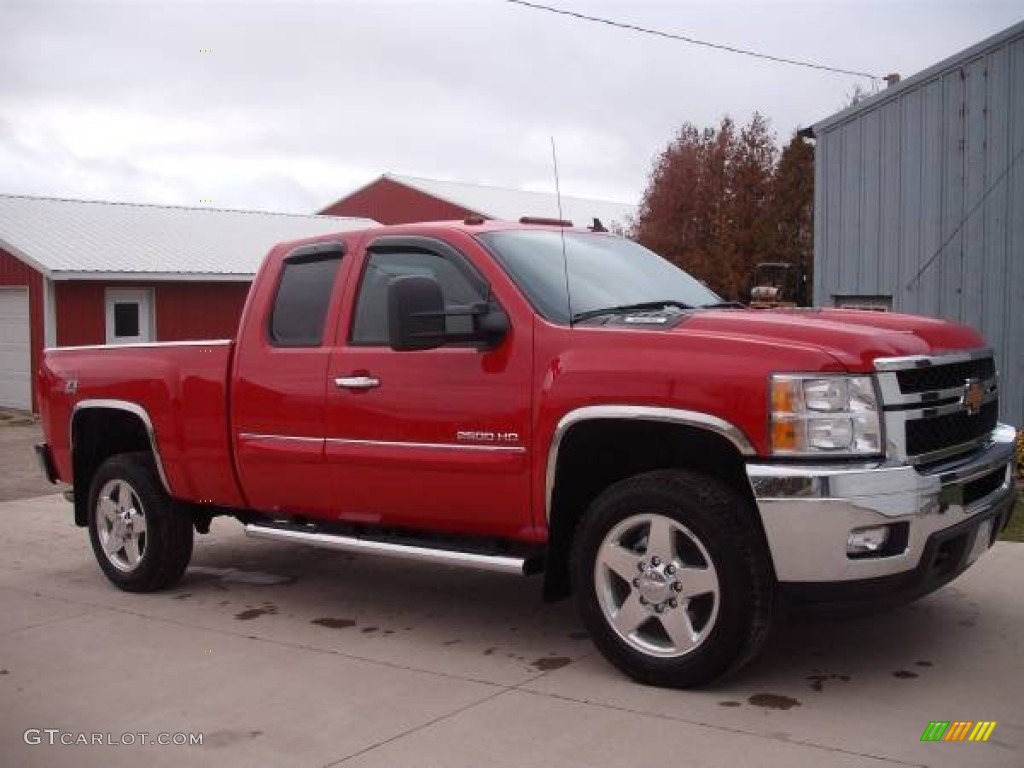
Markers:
974,394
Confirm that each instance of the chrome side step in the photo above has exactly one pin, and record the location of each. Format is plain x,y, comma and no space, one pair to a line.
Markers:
520,566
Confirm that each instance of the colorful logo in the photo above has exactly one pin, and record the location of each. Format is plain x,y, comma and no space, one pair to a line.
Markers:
958,730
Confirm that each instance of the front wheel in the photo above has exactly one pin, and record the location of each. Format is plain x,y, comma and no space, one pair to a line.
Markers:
141,540
672,580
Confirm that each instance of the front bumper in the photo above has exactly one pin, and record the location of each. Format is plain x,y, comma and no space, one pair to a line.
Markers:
808,512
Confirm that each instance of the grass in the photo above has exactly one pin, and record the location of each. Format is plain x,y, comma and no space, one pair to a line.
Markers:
1015,530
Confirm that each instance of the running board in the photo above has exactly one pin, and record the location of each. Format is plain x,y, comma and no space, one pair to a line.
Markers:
520,566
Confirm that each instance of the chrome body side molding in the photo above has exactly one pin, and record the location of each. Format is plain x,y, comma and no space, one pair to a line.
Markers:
136,410
384,443
695,419
283,438
144,345
432,446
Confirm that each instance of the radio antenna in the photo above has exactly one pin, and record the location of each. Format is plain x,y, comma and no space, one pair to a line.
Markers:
561,229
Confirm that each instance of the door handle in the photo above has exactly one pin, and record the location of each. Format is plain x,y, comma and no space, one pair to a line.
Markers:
357,382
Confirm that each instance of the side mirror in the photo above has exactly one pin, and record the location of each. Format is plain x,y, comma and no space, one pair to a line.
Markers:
416,318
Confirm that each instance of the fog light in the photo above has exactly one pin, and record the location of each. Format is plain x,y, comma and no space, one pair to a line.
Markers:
867,541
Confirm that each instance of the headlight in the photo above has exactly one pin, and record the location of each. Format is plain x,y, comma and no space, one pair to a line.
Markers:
815,415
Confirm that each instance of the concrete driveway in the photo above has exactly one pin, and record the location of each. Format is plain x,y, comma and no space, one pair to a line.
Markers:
286,655
19,472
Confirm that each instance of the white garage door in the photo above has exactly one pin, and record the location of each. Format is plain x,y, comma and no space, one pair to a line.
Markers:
15,365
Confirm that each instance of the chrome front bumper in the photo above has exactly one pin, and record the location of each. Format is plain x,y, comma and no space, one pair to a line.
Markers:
808,511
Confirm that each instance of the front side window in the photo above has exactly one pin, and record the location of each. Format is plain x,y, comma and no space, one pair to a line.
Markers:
601,271
303,295
459,286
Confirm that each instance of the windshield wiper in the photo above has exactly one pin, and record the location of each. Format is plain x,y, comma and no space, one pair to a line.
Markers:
580,316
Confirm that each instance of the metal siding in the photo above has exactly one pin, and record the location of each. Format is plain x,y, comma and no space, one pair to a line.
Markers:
80,313
870,201
184,311
972,256
820,274
926,288
833,161
894,183
948,262
852,173
188,311
994,213
1011,361
912,171
892,218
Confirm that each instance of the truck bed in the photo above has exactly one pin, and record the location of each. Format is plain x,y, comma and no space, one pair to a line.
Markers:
178,389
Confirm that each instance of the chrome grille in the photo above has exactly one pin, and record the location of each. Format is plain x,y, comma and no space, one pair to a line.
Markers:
938,407
939,432
938,377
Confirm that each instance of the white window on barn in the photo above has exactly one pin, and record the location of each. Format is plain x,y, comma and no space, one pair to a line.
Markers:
129,313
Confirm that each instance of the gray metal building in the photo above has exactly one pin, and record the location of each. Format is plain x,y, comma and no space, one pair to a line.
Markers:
919,201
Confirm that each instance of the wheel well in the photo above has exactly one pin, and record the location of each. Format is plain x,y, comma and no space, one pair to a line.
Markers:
96,435
595,454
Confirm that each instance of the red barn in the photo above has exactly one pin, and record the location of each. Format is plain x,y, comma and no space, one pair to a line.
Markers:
392,199
76,272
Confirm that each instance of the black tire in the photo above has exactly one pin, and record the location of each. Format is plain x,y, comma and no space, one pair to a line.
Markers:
711,521
165,547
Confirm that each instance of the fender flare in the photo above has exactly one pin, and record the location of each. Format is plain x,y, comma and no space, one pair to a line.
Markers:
695,419
136,410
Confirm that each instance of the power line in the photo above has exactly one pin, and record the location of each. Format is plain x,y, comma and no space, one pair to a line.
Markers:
964,220
692,40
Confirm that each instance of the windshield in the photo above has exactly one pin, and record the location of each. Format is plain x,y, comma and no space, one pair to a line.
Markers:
604,271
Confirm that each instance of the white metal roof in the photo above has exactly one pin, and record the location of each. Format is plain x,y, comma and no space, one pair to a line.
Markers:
86,239
512,204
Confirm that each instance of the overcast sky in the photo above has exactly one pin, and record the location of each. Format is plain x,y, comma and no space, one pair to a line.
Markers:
297,103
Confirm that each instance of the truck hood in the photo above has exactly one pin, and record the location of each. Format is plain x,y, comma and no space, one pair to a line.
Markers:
854,338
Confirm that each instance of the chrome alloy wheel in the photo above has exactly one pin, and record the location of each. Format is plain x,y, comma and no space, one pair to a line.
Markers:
656,585
121,525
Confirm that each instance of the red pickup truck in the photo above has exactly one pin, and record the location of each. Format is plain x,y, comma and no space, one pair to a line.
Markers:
536,398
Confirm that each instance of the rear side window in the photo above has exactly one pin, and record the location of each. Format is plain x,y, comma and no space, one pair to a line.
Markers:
459,285
300,307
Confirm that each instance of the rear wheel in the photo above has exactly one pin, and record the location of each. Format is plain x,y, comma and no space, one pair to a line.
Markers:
141,540
671,578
